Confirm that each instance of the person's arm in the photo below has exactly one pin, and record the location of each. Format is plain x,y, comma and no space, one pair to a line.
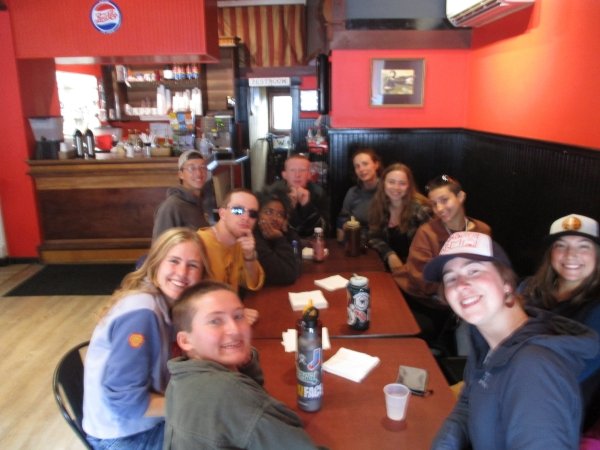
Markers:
454,434
276,256
127,380
254,275
541,404
410,276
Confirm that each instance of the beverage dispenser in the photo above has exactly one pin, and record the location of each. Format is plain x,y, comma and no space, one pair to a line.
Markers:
48,134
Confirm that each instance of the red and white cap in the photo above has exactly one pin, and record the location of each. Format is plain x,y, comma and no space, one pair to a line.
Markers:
575,224
465,244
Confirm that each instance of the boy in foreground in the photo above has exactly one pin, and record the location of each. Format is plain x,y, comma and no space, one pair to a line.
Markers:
215,397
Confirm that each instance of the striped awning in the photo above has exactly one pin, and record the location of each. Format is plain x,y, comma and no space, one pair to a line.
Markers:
273,35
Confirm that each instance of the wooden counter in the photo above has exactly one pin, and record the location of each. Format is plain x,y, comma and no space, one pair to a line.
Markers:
99,210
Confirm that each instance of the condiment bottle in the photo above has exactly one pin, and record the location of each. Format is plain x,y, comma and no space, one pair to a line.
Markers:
352,237
309,358
78,143
90,143
318,245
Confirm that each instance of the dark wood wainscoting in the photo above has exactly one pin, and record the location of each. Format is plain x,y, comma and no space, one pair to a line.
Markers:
517,186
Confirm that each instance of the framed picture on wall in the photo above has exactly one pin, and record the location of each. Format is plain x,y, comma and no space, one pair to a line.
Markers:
397,82
309,101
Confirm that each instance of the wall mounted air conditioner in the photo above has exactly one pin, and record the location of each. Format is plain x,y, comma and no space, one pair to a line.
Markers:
475,13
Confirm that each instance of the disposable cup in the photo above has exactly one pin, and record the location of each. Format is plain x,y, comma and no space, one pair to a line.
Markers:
396,400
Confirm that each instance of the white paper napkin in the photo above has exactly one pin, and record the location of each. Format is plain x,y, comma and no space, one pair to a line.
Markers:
332,283
299,300
351,364
290,339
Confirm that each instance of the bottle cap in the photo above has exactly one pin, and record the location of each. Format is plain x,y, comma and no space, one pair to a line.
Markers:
359,280
352,223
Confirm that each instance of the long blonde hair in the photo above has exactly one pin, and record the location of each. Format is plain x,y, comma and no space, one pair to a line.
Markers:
144,279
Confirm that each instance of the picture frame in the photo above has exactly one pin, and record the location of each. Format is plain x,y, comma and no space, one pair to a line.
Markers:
309,100
397,83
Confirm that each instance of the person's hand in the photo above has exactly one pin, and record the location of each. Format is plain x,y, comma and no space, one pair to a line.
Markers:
394,262
269,231
248,245
302,195
293,194
251,315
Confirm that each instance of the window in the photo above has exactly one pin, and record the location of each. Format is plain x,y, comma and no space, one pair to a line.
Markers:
280,111
78,95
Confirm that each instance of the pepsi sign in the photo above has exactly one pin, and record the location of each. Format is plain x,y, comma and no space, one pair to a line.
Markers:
106,16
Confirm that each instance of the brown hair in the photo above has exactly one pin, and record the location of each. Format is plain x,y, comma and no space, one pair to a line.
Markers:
372,154
183,310
379,211
144,279
227,198
541,288
441,181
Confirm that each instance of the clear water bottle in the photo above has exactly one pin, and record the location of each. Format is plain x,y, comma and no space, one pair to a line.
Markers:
309,359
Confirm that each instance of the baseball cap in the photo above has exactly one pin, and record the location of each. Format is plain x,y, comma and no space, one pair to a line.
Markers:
465,244
187,155
574,224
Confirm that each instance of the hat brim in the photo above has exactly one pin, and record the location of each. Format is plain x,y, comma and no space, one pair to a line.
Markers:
434,269
553,237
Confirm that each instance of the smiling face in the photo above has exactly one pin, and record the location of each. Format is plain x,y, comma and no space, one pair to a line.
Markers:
475,290
365,168
181,267
574,259
193,174
219,330
447,205
396,185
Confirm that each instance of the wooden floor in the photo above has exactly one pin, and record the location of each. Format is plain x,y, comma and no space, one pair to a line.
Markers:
34,333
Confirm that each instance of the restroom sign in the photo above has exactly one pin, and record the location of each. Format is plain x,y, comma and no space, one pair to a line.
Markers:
106,17
269,82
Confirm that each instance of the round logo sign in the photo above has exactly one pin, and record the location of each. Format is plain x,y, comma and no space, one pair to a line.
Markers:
106,16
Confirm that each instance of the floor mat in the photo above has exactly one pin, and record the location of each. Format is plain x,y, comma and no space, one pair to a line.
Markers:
73,279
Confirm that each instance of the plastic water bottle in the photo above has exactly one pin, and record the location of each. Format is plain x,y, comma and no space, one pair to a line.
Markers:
309,359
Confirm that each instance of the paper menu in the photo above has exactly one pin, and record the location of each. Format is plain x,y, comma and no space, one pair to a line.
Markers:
299,300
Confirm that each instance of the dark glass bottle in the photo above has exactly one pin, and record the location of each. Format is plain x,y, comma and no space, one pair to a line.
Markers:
309,359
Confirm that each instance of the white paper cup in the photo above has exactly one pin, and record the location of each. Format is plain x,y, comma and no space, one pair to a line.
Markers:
396,400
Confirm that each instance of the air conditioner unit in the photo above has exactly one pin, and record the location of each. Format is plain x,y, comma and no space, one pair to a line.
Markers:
475,13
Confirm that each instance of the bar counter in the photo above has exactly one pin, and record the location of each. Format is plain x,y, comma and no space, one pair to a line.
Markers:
99,210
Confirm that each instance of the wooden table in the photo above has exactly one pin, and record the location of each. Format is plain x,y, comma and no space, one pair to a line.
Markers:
390,315
338,261
353,414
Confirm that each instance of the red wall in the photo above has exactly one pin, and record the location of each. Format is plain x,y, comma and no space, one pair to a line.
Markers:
148,27
17,195
533,74
445,96
542,83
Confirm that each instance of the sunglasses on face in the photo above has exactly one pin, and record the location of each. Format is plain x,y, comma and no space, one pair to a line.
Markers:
240,210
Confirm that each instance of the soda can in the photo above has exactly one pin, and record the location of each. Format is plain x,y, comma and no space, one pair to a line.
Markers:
359,303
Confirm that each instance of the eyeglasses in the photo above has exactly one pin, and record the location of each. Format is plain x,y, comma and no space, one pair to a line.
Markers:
274,212
240,210
192,169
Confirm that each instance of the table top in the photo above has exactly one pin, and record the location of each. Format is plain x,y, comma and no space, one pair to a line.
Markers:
390,315
338,261
353,415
